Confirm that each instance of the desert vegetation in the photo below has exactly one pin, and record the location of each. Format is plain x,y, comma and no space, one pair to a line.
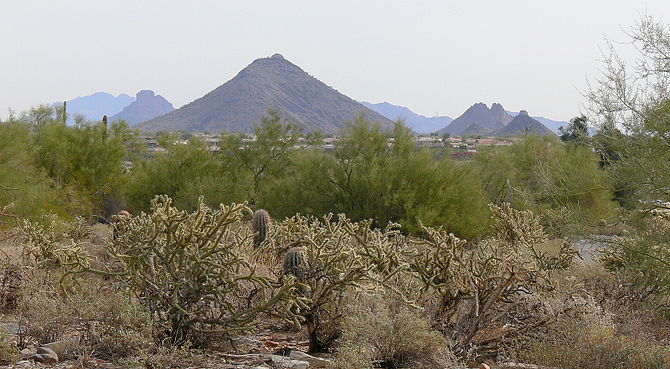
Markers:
277,253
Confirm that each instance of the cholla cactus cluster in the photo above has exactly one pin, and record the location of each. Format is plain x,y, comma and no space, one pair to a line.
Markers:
42,244
474,282
331,257
191,271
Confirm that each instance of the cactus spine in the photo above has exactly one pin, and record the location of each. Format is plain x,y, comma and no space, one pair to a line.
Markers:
294,263
260,223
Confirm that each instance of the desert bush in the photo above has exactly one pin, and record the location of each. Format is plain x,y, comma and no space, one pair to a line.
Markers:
641,261
92,318
336,257
591,341
12,276
9,353
479,290
379,331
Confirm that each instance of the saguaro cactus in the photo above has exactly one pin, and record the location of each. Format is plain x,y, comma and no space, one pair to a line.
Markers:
260,223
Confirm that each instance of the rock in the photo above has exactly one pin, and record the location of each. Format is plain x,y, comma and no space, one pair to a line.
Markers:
59,347
27,354
484,366
314,362
45,355
287,363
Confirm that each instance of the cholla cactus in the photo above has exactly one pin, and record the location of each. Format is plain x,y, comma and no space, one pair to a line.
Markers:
42,244
336,255
260,223
473,282
191,271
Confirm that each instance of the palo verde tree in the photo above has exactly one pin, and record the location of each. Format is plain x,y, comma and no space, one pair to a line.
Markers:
630,103
255,161
374,174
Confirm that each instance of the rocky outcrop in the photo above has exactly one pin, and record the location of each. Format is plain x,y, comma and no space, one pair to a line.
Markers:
147,105
478,120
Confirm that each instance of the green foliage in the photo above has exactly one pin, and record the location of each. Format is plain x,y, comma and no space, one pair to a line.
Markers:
22,184
260,222
184,173
540,173
86,157
9,353
577,131
366,178
258,161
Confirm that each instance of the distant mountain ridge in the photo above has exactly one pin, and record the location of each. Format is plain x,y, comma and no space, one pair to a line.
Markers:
94,106
486,120
266,83
147,105
480,120
418,123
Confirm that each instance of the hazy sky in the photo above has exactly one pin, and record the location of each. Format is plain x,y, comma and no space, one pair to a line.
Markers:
431,56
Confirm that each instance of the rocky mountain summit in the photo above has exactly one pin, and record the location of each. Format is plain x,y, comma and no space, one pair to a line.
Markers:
479,119
267,83
147,105
486,120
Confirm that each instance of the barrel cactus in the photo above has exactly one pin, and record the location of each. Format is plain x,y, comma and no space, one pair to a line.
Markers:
294,263
260,223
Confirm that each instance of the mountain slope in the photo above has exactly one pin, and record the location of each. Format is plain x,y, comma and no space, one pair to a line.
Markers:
267,83
553,125
147,105
94,106
419,123
488,120
523,124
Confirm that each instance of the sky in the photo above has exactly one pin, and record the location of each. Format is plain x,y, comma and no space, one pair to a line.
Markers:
435,57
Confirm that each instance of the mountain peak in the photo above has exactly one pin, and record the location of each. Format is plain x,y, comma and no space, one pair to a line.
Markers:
147,105
523,112
482,119
267,83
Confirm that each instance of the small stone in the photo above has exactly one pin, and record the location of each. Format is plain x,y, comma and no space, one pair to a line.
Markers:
313,361
484,366
287,363
45,355
278,337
